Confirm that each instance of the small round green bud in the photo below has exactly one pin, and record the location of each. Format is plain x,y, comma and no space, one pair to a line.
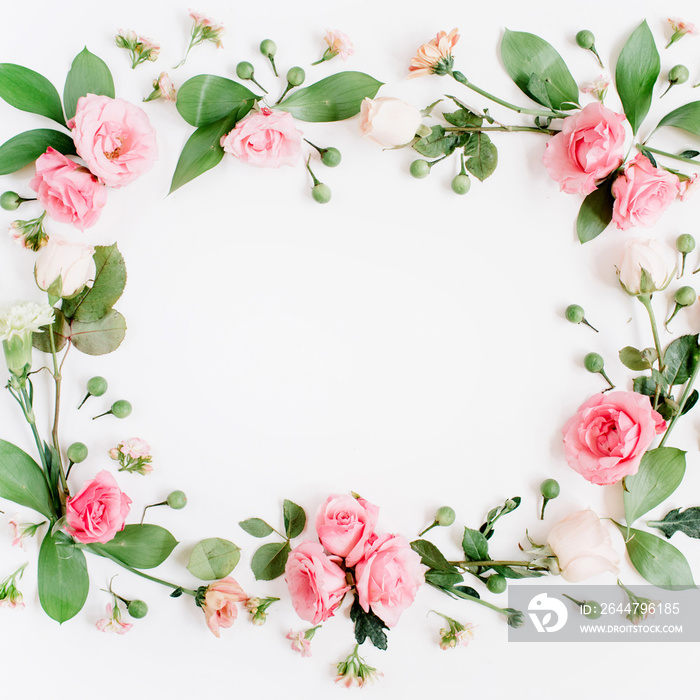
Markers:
268,47
591,609
445,516
77,452
121,409
678,75
97,386
593,362
574,313
496,583
10,201
420,168
585,39
461,184
177,500
296,76
685,243
137,609
331,157
321,193
685,296
549,488
245,70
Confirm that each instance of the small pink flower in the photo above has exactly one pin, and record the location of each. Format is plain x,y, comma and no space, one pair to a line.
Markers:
435,56
680,29
688,187
597,87
207,29
135,448
219,604
339,44
22,531
300,643
113,622
162,87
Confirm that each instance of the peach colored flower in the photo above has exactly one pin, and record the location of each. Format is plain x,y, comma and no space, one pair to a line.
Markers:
339,44
680,29
219,604
435,56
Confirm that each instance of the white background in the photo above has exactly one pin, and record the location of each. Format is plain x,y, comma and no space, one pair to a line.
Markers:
401,342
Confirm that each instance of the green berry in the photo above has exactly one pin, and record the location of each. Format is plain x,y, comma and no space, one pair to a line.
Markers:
591,609
331,157
121,409
685,296
496,583
593,362
574,313
77,452
585,39
549,488
296,76
245,70
685,243
10,201
420,168
461,184
268,47
177,500
137,609
321,193
445,516
678,75
97,386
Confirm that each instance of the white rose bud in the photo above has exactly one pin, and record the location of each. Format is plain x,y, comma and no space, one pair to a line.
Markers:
64,268
643,269
389,121
583,546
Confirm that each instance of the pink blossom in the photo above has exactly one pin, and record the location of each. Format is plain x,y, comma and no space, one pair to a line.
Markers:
299,643
219,604
135,448
680,29
113,622
435,56
688,187
597,87
339,44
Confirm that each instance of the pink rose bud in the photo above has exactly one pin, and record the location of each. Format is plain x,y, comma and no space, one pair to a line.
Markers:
219,604
73,263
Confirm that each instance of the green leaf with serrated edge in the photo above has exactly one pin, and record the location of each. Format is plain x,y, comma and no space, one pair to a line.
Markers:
206,99
88,75
61,333
636,73
483,156
687,522
63,577
660,472
26,147
463,117
294,519
526,55
645,385
213,558
110,280
475,545
595,213
367,624
680,358
256,527
658,561
431,556
269,561
99,337
139,546
436,143
687,118
660,379
633,359
30,91
22,480
334,98
509,572
442,579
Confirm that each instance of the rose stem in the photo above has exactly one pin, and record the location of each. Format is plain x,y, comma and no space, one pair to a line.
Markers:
684,398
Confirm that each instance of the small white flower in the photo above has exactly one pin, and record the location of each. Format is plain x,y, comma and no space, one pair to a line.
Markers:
23,318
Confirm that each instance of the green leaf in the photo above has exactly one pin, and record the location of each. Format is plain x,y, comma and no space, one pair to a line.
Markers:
63,577
645,385
657,560
213,558
689,153
206,99
22,480
26,147
680,358
334,98
110,280
509,572
61,333
633,359
437,143
687,118
465,592
495,513
475,545
595,213
443,579
483,156
463,117
636,73
256,527
99,337
269,561
535,66
674,521
294,519
660,472
30,91
87,75
367,624
431,556
690,401
139,546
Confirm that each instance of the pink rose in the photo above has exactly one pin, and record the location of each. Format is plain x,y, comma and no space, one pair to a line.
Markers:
219,604
98,511
316,583
388,578
642,193
609,434
114,138
68,191
266,139
345,524
589,147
